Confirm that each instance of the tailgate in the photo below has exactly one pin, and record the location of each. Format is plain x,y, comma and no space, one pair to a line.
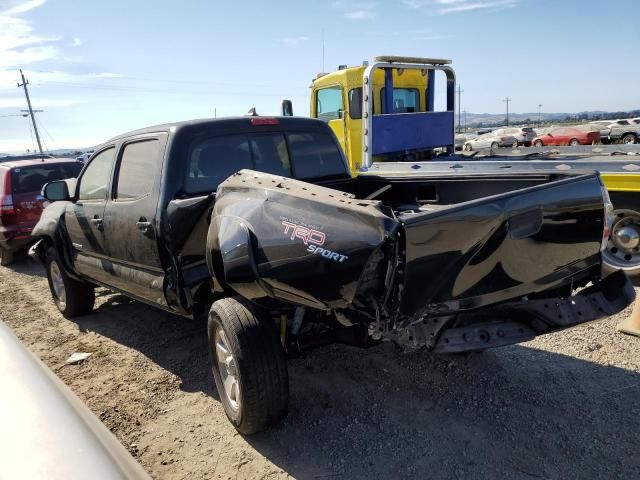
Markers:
501,247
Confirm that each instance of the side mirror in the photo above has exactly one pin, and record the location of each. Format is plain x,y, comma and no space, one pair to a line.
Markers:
56,191
549,135
287,108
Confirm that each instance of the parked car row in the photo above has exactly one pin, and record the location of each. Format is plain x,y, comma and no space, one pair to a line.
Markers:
626,131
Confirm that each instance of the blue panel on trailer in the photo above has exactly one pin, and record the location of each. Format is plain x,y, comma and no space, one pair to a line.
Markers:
410,131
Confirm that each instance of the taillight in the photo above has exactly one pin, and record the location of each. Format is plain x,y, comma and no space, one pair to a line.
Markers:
608,218
264,121
6,198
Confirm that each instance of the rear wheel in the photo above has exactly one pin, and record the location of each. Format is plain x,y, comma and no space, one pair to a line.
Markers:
494,145
623,248
629,139
573,142
537,143
468,147
72,297
7,257
249,366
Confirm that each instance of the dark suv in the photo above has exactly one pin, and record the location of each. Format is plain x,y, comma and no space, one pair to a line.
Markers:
20,201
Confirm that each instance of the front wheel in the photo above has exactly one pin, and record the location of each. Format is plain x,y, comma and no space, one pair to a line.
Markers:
537,143
72,297
629,139
249,366
574,142
468,147
623,248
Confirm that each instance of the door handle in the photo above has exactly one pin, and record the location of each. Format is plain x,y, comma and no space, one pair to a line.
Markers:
146,228
143,226
97,222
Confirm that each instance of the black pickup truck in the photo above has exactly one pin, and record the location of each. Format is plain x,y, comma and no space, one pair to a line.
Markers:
257,223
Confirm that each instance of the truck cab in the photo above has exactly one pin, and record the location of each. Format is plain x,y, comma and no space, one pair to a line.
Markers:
384,110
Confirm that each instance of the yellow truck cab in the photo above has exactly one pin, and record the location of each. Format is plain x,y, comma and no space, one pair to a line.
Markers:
384,109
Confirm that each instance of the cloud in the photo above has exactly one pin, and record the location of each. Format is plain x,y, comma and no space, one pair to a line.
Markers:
14,7
18,44
76,42
355,11
294,40
360,15
445,7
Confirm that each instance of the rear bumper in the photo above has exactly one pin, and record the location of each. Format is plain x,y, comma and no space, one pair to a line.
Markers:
14,238
523,321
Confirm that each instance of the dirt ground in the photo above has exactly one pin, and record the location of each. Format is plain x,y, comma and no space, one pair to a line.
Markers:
563,406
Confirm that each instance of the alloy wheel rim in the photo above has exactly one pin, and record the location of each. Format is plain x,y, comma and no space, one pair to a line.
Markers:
228,368
57,283
623,248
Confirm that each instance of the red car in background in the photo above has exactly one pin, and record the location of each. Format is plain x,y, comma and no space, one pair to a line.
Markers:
567,136
21,203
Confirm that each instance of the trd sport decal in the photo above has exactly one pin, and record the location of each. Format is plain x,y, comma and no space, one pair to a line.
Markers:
314,239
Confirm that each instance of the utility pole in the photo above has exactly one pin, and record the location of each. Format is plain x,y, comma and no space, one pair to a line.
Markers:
33,119
465,120
539,113
507,100
459,108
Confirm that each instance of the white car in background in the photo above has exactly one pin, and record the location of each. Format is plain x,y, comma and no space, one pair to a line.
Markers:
524,135
85,157
490,140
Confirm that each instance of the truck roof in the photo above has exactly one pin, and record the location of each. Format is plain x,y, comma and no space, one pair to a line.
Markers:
227,123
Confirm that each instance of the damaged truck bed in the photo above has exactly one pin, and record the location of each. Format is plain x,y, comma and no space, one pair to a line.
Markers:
257,224
466,276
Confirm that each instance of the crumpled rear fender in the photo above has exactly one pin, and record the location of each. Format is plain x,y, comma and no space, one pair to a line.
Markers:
274,238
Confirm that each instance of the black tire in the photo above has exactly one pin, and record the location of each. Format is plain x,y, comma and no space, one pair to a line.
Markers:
79,297
574,142
494,145
538,143
615,260
468,147
629,139
259,363
7,257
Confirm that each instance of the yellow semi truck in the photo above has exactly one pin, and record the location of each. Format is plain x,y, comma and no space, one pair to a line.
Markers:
383,112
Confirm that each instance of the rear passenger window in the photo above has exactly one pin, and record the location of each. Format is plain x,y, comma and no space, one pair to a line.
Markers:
94,181
138,164
315,155
270,154
213,160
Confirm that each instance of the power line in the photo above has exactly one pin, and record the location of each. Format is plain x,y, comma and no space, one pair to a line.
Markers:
135,88
33,119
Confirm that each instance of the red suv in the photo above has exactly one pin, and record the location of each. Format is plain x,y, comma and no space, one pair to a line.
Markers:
20,201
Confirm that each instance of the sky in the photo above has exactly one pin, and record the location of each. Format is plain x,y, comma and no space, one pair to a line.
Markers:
98,69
